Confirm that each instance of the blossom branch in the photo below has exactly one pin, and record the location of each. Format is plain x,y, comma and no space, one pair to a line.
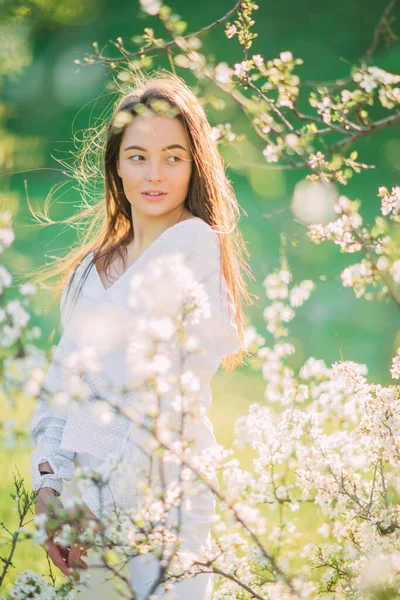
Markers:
91,59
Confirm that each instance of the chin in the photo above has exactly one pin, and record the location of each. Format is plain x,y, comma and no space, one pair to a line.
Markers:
156,209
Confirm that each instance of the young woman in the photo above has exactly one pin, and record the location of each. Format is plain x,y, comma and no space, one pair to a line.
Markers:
165,191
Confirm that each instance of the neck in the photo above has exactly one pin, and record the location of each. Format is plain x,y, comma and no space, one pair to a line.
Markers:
147,228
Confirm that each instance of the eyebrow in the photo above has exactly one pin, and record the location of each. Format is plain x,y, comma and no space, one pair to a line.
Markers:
144,149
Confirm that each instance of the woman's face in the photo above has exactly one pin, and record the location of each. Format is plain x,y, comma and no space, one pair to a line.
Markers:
154,155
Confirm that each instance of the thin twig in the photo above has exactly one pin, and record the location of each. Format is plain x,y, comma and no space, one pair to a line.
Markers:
167,45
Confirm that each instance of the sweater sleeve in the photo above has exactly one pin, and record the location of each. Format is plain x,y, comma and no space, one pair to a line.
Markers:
47,429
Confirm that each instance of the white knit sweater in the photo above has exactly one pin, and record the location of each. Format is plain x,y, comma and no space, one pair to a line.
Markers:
58,434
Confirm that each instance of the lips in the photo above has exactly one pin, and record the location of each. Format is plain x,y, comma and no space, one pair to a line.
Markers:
154,196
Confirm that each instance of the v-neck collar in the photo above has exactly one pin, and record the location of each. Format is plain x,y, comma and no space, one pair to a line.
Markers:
140,258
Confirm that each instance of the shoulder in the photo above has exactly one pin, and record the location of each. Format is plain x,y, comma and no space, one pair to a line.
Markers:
194,222
194,231
198,244
195,239
72,284
75,274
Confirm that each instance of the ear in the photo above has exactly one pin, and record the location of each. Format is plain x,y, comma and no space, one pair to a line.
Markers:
118,171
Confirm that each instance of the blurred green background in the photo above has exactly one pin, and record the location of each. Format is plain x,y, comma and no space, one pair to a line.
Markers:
46,101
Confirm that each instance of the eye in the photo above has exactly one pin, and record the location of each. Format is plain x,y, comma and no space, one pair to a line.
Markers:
140,156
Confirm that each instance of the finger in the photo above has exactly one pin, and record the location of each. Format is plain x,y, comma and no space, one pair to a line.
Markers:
75,575
64,552
81,563
74,555
55,555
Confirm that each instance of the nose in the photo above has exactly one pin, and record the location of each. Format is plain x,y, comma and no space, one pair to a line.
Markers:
154,173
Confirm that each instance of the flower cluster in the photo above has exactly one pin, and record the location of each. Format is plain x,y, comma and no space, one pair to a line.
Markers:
280,77
371,78
30,585
390,202
381,251
223,132
300,459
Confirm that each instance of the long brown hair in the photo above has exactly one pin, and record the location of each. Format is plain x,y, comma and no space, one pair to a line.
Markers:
108,227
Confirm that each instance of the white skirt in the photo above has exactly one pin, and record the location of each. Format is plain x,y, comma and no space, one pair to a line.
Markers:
143,570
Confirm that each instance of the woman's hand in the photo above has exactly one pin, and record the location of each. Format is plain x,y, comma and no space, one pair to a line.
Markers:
66,559
88,519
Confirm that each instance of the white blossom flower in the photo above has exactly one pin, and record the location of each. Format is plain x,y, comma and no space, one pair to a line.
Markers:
271,153
101,326
382,264
31,585
242,68
223,73
215,133
383,76
346,95
317,160
258,60
102,411
66,536
251,336
276,284
5,278
358,276
27,289
395,270
313,202
78,389
324,108
177,280
395,370
292,140
301,293
390,201
39,534
351,373
315,369
151,7
9,336
372,77
18,314
286,56
83,360
230,30
7,236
